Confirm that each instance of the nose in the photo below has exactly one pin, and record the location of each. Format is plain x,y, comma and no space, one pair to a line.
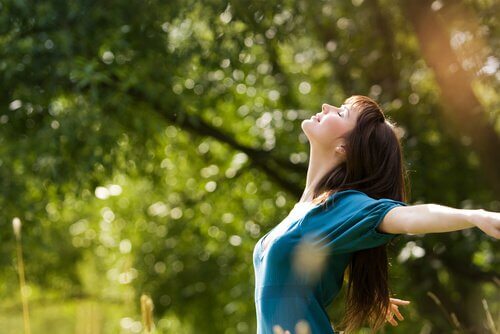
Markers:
324,107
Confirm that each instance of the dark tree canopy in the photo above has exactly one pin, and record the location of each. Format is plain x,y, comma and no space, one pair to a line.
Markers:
147,145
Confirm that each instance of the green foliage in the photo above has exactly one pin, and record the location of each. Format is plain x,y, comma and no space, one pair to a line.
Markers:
146,146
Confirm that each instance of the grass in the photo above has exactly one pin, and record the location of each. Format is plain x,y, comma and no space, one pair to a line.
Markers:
16,225
81,316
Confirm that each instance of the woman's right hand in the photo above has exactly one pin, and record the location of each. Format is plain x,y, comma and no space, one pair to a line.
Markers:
393,310
487,221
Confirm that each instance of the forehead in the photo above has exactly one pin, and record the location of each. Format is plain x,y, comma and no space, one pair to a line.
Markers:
351,104
352,110
350,101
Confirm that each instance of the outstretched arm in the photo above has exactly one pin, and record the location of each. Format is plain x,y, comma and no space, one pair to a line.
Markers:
435,218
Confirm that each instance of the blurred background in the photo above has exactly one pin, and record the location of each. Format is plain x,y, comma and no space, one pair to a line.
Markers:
145,146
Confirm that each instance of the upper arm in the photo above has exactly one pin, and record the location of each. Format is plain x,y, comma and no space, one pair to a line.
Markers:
395,220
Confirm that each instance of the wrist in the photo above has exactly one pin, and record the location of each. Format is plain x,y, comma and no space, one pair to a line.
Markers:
474,216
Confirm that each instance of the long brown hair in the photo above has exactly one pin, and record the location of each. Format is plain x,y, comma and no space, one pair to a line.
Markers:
373,165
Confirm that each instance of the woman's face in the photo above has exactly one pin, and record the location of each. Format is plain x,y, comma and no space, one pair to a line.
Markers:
327,129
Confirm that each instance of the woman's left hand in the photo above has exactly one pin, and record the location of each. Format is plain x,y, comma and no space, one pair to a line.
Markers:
393,310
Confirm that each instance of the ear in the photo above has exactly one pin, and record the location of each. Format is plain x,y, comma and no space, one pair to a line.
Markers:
340,149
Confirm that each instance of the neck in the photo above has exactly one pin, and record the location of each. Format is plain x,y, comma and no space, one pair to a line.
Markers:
320,162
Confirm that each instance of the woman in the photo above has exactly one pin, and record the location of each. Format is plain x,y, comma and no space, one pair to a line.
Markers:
352,206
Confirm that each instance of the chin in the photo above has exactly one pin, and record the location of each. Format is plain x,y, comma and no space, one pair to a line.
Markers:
306,128
307,123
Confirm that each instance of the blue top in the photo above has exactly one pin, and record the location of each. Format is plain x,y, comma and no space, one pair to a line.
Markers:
301,269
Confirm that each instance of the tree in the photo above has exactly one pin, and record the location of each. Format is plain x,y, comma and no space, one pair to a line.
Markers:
153,143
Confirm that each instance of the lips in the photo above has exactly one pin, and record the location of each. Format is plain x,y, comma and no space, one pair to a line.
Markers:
317,117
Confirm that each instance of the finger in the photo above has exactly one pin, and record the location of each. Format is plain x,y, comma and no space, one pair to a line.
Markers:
399,301
397,313
392,321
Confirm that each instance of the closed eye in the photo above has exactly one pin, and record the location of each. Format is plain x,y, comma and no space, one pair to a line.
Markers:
343,110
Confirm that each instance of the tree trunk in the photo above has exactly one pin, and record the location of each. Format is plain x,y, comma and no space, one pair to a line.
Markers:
461,107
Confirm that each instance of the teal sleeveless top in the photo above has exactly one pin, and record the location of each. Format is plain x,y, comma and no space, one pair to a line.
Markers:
301,269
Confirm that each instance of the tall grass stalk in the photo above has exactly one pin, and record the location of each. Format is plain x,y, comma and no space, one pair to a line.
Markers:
452,318
489,318
147,313
16,225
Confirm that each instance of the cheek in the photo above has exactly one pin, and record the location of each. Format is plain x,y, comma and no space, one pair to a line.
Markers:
335,126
